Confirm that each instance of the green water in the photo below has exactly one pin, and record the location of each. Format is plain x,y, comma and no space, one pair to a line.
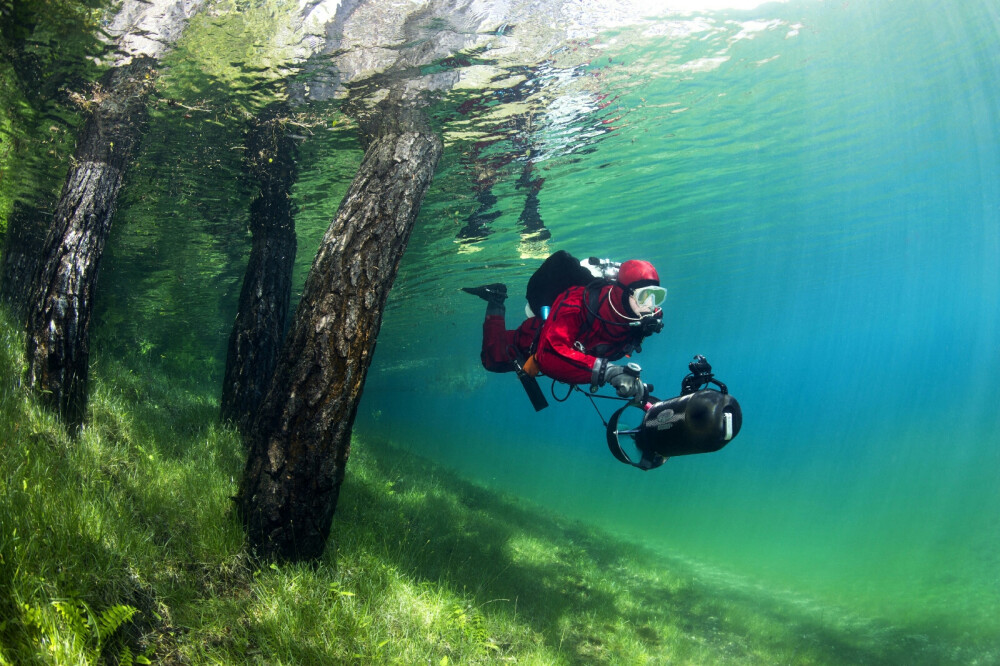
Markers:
817,183
823,207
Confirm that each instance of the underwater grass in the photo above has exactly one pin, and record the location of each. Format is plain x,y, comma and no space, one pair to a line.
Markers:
118,545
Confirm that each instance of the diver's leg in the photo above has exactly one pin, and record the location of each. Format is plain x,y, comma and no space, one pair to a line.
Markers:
497,344
497,340
494,295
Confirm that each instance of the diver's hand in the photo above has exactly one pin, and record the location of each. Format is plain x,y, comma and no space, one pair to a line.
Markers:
626,385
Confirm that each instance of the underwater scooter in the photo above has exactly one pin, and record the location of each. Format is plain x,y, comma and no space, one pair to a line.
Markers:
700,420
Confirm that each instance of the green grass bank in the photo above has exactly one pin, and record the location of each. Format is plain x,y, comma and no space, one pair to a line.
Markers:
119,545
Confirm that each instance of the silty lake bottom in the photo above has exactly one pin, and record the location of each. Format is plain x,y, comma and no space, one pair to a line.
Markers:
817,184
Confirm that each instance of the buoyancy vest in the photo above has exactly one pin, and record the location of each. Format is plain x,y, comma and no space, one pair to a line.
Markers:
581,328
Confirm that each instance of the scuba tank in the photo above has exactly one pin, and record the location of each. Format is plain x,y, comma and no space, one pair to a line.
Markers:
557,273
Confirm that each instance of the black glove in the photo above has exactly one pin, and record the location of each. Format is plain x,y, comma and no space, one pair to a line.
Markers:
626,385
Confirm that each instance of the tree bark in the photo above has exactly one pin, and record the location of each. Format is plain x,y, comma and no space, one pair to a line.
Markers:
301,440
61,297
255,342
22,250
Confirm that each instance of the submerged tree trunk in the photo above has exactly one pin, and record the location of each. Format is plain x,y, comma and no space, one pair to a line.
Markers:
255,342
62,292
23,244
301,440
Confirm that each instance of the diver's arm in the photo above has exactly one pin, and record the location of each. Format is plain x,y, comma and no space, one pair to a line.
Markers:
556,355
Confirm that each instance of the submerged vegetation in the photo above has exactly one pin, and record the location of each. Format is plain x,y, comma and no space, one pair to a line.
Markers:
119,546
119,542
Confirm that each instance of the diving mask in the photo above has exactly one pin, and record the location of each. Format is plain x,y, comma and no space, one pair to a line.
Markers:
650,297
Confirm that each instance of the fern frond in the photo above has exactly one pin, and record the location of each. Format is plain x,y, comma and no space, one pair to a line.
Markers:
76,615
113,618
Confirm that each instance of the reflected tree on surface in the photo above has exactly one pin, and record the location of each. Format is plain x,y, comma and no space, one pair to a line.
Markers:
509,143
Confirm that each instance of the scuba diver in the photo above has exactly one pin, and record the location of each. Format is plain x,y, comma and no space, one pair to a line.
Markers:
582,316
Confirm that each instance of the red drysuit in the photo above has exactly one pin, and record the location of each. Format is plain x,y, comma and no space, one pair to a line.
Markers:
570,341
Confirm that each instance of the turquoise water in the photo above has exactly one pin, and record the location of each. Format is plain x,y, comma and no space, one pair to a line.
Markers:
823,206
817,183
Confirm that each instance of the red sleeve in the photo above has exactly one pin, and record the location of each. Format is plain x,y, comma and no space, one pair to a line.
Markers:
556,356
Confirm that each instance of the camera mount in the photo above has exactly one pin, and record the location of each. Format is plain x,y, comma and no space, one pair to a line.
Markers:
701,376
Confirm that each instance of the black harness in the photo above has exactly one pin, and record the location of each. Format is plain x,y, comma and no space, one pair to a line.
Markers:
592,304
